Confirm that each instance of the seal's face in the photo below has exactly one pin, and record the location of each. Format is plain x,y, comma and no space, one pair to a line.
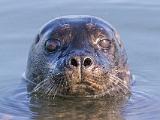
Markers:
78,56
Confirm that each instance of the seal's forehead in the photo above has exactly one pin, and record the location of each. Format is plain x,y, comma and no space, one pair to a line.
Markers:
76,21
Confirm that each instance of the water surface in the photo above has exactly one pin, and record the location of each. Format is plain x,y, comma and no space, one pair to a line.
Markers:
139,26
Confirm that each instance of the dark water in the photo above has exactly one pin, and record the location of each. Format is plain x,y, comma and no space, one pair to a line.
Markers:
139,26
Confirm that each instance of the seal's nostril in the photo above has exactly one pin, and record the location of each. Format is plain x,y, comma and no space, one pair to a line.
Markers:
87,62
73,62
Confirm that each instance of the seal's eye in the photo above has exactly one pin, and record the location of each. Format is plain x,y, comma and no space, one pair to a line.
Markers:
52,45
104,43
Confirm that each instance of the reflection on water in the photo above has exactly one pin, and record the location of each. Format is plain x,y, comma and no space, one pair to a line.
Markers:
138,24
64,109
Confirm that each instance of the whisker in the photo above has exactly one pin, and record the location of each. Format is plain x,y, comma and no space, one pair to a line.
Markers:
38,86
57,88
117,79
114,80
47,85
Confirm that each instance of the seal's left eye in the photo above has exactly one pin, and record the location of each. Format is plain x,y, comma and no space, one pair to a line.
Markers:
104,43
52,45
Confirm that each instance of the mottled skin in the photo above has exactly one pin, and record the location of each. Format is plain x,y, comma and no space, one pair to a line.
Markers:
78,56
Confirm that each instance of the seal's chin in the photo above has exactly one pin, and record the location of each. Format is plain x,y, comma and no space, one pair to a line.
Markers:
84,90
81,88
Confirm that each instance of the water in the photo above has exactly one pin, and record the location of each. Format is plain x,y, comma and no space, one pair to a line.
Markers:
139,26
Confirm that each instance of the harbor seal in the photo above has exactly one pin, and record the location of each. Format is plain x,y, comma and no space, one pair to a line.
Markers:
78,56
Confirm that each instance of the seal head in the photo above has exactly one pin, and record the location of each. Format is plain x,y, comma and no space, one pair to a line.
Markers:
78,56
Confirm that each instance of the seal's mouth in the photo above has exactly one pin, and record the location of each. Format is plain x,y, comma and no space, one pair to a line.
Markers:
84,89
60,85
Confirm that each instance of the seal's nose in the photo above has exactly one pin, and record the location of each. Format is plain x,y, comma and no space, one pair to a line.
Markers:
78,61
87,62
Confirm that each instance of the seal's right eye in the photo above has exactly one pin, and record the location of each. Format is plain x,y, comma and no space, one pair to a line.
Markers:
52,45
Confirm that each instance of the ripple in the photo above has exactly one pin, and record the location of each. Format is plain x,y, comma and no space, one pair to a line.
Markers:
143,102
15,104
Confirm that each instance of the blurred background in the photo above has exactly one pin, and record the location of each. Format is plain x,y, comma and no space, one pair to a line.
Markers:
138,23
